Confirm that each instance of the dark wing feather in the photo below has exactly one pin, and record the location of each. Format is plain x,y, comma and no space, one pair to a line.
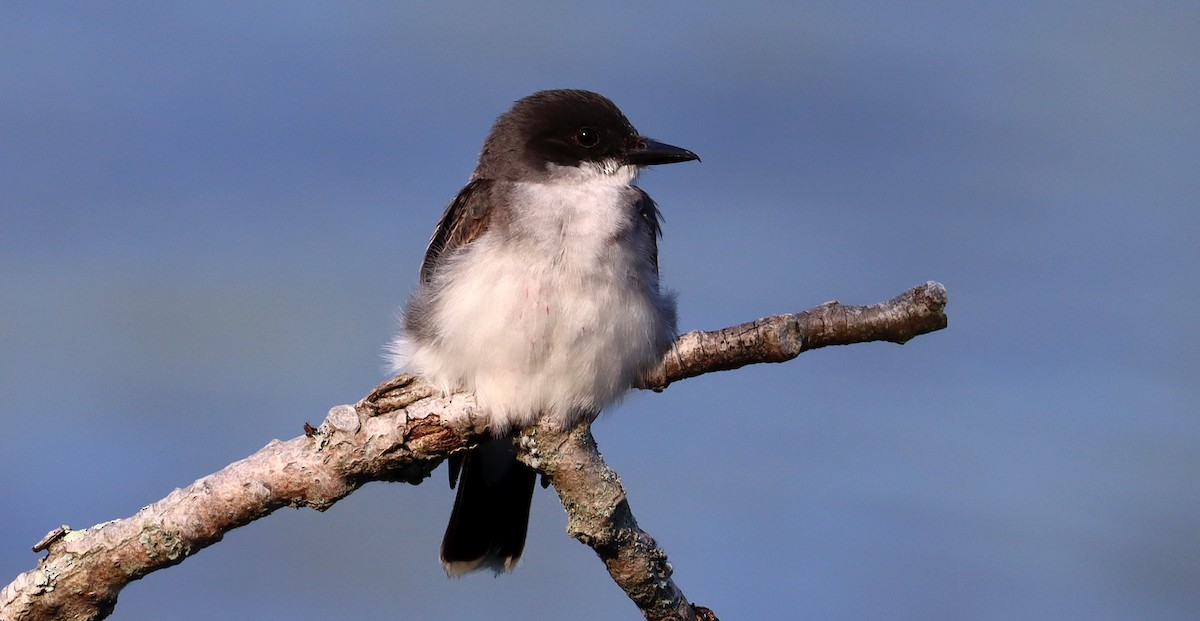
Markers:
465,219
653,218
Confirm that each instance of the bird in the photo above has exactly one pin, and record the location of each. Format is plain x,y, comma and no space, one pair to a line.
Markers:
539,293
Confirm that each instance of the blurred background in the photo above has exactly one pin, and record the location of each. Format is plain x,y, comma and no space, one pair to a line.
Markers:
210,213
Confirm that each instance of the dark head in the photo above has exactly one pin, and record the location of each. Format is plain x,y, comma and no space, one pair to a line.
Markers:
568,128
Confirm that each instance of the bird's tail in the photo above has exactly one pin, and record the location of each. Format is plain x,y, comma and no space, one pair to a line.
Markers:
491,511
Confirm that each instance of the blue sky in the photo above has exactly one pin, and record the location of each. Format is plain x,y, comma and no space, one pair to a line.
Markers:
209,214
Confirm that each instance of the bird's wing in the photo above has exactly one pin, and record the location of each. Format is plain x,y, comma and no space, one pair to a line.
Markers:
465,219
653,218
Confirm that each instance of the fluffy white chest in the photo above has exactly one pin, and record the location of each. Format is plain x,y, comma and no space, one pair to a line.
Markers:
554,314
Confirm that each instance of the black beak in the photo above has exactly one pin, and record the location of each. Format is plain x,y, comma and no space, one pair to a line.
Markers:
651,152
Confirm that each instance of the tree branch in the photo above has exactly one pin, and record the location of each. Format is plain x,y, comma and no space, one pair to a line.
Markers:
598,515
401,432
780,338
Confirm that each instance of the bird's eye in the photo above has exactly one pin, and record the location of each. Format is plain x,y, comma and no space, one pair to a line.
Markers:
587,137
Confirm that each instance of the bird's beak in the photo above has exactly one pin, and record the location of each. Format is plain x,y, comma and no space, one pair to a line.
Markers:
651,152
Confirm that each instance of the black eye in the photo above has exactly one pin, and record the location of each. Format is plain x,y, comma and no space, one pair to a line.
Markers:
587,137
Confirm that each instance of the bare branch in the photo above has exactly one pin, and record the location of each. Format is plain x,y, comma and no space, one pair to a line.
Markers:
780,338
599,516
401,432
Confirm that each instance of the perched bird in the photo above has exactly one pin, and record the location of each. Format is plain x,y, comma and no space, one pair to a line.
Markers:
539,293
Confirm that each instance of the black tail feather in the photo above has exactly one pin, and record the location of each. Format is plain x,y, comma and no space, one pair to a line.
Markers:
491,510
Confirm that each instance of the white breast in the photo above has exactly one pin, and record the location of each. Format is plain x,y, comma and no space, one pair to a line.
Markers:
555,315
